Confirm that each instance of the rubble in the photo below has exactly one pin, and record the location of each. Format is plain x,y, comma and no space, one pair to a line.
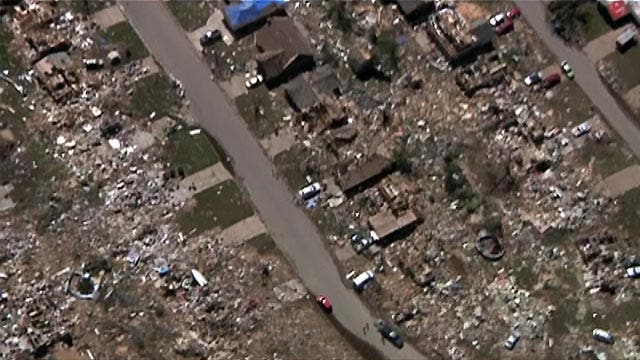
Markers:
435,150
489,166
94,262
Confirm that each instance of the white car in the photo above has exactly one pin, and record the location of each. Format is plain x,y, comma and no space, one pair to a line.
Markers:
567,69
360,243
310,191
512,341
253,79
581,129
361,280
633,272
496,19
603,335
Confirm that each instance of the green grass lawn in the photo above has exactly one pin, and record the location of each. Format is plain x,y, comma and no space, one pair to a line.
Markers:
88,7
261,111
10,98
291,165
7,60
154,93
628,66
33,188
191,14
627,217
191,153
122,34
222,205
594,24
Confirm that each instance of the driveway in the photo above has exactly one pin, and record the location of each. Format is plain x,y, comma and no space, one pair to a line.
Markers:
586,75
294,233
597,49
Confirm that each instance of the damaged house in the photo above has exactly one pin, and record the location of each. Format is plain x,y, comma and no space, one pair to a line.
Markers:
241,17
416,10
300,95
459,43
304,91
54,72
487,72
388,226
365,174
284,52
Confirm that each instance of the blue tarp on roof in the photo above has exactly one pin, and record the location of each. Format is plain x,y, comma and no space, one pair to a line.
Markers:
247,11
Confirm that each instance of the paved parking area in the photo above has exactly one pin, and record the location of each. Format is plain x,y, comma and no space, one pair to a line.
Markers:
235,86
108,17
200,181
151,66
599,48
620,182
214,22
632,97
243,230
277,143
553,68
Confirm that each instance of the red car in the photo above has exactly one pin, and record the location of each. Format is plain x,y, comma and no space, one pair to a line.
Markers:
505,27
325,303
513,13
551,81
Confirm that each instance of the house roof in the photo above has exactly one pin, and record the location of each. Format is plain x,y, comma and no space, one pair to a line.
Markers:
280,43
368,170
617,10
325,80
409,6
385,223
300,93
271,62
59,60
241,14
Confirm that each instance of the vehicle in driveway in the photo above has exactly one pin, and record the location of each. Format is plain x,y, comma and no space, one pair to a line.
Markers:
551,81
627,39
512,341
513,13
210,37
361,280
496,19
581,129
633,272
505,27
533,78
567,69
310,191
360,243
387,331
324,302
252,79
603,336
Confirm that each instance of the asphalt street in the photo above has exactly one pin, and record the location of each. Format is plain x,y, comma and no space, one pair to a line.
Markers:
586,75
293,232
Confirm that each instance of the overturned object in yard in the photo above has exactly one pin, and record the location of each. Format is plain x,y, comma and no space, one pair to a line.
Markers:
489,247
82,286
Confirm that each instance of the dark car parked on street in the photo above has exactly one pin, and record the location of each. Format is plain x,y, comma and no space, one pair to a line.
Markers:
387,331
